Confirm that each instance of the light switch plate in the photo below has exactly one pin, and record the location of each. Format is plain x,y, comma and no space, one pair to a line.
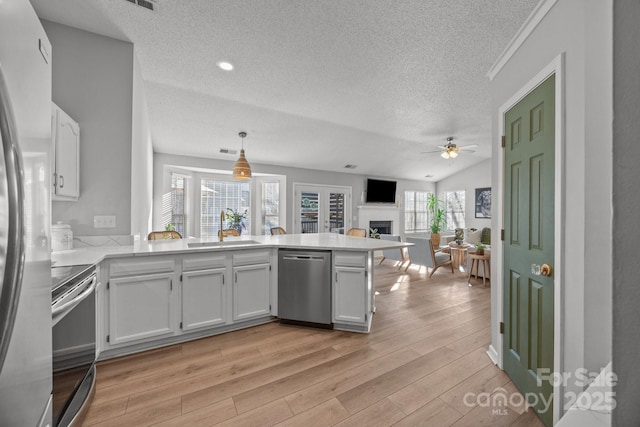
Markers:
104,221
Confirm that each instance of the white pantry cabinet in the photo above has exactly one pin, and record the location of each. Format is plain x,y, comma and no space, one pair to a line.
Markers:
65,136
204,291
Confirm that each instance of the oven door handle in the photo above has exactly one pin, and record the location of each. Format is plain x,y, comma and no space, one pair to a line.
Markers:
59,312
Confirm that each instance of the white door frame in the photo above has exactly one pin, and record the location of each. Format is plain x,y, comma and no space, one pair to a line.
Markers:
298,186
556,66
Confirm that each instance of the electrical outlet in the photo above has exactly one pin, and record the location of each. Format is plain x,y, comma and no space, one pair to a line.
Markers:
104,221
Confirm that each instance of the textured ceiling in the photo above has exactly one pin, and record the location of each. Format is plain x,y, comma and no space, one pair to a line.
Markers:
317,83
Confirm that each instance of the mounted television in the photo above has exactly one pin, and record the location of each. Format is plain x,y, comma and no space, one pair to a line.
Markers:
380,191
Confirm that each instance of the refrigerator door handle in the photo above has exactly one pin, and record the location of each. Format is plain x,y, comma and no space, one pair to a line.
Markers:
11,199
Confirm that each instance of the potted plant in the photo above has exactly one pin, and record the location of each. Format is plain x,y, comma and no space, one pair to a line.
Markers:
480,247
236,219
437,218
373,233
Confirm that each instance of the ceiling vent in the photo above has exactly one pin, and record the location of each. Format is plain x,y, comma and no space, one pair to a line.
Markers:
350,166
147,4
228,151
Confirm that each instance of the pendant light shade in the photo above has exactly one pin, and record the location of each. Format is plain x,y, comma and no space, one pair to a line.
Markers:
242,170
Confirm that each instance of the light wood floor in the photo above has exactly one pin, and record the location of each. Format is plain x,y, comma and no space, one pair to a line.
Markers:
426,351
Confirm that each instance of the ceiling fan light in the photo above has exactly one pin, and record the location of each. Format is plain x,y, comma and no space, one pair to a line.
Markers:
445,154
453,154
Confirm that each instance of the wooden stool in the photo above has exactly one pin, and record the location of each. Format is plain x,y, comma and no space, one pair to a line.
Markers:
486,267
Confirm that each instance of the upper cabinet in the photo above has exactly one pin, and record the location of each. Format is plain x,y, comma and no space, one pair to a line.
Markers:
65,135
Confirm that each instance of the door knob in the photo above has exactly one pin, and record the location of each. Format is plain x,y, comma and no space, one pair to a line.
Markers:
546,270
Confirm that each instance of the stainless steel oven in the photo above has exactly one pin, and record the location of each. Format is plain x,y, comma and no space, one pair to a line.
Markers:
73,309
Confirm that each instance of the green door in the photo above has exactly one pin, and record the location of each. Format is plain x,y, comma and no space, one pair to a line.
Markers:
528,244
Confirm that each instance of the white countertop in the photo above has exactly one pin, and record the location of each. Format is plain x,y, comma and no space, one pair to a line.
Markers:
322,241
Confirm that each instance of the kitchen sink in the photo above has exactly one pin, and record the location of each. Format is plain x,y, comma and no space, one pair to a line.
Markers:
222,244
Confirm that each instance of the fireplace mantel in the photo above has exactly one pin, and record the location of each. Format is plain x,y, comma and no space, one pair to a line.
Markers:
367,213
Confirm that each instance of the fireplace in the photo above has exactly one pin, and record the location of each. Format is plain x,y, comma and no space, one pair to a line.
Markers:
383,227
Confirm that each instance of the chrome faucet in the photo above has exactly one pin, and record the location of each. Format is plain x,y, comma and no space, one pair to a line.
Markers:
221,232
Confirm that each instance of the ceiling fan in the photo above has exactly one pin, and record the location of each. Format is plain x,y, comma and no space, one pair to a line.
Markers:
451,150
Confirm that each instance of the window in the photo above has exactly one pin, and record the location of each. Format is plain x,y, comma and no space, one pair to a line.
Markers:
454,209
192,200
270,206
216,195
177,214
416,217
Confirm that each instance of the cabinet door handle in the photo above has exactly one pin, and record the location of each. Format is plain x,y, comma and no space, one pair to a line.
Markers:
61,181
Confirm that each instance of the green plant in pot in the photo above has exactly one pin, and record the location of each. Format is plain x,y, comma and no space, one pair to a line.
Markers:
480,247
438,220
236,219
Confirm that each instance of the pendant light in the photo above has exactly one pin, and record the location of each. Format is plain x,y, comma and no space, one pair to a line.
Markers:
242,170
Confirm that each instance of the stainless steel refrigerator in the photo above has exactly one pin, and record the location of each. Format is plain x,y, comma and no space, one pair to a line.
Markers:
25,261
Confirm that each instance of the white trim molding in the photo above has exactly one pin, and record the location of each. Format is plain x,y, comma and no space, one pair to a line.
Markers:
496,353
523,33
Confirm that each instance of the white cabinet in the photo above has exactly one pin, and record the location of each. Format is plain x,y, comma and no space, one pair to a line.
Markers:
141,298
65,134
352,291
204,295
251,284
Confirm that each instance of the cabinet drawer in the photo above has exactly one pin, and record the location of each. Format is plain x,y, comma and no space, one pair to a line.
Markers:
252,257
204,262
136,267
350,259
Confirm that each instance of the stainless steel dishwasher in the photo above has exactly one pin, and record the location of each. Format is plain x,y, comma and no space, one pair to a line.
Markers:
304,287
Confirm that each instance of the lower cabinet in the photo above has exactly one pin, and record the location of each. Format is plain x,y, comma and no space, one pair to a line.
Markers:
203,298
251,291
352,291
349,295
251,284
140,307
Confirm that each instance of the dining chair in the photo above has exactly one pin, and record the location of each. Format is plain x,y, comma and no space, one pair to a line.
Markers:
357,232
164,235
396,254
228,232
277,230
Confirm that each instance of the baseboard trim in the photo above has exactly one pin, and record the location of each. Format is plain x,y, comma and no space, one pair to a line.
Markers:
493,355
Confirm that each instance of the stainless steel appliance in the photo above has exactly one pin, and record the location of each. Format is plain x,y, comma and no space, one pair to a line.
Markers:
25,217
73,307
304,287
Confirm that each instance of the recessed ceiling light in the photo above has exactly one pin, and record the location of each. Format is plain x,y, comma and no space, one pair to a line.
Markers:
227,66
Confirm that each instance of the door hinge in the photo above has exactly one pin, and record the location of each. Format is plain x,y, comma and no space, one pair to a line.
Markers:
269,267
502,327
181,277
502,234
269,307
223,279
107,285
108,338
180,325
365,317
366,274
503,143
170,284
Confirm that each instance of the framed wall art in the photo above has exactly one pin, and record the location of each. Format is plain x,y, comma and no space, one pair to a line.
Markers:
483,202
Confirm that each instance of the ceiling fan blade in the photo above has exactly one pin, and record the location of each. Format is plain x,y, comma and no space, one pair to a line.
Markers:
431,152
468,147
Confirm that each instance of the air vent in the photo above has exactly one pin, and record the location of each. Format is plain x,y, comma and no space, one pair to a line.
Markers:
350,166
228,151
147,4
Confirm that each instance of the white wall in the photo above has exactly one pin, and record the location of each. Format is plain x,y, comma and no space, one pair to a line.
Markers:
141,159
476,176
92,82
294,175
626,203
583,31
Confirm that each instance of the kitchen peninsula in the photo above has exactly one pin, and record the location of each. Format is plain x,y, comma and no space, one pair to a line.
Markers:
156,293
